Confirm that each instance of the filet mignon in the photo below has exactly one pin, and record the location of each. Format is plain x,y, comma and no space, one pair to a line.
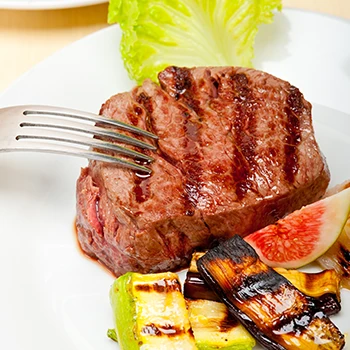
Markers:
236,152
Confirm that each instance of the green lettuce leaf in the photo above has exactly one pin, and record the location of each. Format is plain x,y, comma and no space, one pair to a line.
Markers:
159,33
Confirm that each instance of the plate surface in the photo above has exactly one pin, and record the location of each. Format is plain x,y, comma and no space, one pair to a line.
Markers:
46,4
50,295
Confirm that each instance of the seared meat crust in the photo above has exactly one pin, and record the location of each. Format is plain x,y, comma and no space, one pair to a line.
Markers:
236,152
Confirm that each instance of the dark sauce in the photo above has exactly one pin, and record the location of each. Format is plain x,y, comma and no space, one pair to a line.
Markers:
162,330
141,188
196,288
87,256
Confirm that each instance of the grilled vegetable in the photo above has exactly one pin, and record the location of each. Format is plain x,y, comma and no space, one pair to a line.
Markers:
215,328
313,284
277,314
323,286
338,256
150,312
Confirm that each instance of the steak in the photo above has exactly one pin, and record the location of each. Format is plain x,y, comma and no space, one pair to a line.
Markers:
236,152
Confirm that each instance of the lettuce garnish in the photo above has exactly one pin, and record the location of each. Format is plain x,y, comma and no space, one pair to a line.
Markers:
159,33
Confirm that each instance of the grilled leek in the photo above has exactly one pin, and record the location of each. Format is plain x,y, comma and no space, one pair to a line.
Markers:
277,314
214,327
337,257
150,313
324,286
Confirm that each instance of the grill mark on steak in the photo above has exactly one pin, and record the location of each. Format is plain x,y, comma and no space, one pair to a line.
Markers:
175,81
192,163
234,87
245,127
190,195
194,170
146,101
294,108
178,82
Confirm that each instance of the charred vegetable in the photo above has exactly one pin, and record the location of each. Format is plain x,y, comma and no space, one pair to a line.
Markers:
313,284
338,256
150,312
215,328
277,314
323,286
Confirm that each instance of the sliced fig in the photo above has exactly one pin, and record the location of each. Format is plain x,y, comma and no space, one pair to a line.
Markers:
304,235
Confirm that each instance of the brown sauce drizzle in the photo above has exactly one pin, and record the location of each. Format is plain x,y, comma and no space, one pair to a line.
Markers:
141,188
196,288
87,256
162,330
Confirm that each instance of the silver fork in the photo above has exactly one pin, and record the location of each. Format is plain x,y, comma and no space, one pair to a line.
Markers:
71,132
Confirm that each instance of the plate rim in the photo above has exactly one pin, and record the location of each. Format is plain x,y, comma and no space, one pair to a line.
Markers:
319,13
48,60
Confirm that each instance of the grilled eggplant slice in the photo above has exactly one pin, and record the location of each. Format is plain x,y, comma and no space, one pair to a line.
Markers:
215,328
277,314
150,312
324,286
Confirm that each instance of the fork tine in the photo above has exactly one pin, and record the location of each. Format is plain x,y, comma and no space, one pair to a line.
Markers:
75,114
92,130
102,145
30,146
58,130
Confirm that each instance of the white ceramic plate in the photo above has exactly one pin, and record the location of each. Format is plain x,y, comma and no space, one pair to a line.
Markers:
46,4
51,297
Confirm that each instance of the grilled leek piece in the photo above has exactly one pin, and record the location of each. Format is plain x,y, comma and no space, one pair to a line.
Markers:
313,284
214,327
150,313
324,286
337,257
277,314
